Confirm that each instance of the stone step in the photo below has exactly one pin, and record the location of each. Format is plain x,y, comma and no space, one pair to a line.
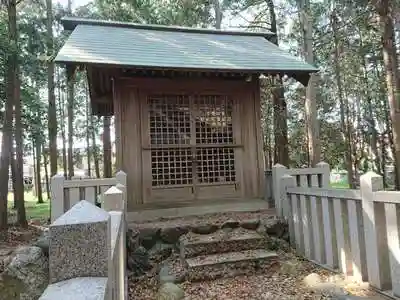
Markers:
230,264
221,241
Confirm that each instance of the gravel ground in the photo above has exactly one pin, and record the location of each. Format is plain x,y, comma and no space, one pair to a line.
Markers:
280,285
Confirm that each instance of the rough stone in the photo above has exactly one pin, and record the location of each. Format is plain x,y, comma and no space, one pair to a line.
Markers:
330,289
160,252
164,275
6,251
170,291
43,242
312,280
148,237
172,270
138,261
80,243
348,297
5,257
275,227
26,276
171,235
289,266
87,288
132,240
273,243
205,229
250,224
230,224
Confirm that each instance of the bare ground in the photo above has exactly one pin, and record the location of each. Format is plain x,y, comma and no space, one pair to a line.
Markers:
279,285
14,237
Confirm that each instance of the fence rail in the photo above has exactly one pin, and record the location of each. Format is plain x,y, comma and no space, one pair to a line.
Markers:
354,231
66,193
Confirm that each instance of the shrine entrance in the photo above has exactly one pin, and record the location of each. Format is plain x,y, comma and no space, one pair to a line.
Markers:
191,147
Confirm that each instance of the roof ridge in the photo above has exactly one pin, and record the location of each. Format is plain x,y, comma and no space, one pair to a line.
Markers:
70,23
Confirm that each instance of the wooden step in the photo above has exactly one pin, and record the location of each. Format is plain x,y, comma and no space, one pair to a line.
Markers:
208,267
221,241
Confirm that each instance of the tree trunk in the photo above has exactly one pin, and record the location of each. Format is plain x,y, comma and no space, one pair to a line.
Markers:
6,145
371,124
387,136
392,76
70,87
52,110
13,179
34,186
69,7
38,178
107,147
61,107
314,148
346,133
218,14
88,129
19,166
46,173
281,153
95,153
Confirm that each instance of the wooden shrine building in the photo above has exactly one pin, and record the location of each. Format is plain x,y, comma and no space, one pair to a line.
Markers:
186,104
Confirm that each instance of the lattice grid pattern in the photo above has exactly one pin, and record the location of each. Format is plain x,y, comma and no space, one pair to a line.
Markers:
171,167
214,119
169,119
216,165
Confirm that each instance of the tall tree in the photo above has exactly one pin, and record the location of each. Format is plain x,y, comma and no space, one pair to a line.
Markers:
19,165
281,153
218,14
70,101
384,10
343,107
314,149
52,110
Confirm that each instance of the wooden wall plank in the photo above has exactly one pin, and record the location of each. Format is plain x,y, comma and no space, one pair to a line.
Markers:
131,160
259,137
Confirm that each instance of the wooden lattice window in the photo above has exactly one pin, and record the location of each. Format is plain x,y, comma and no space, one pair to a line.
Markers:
214,119
171,167
169,119
216,165
191,134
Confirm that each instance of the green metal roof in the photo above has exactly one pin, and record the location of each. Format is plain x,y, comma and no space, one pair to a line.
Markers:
152,46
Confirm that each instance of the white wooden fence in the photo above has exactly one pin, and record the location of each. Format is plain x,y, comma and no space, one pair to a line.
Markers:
355,231
66,193
81,287
316,177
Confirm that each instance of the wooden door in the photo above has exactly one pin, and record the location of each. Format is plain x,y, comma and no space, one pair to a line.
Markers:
190,148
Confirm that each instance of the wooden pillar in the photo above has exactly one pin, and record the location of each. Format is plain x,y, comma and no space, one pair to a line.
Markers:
70,99
107,147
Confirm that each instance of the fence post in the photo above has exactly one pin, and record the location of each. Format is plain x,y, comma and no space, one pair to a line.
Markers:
115,200
120,177
57,196
375,232
122,188
278,171
85,227
328,235
325,179
286,182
